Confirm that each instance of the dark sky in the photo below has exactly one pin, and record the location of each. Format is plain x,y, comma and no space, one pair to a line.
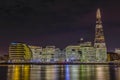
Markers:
57,22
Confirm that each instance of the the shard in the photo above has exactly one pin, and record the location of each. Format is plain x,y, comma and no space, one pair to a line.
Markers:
99,42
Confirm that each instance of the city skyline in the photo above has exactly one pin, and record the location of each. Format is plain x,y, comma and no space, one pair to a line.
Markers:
58,23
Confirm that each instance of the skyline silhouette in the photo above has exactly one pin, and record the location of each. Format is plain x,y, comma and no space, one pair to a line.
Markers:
59,23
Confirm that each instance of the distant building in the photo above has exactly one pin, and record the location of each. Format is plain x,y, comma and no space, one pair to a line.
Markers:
88,52
117,50
85,44
48,53
73,53
83,52
59,55
111,56
19,52
36,53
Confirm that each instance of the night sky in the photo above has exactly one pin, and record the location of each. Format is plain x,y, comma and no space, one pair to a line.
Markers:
57,22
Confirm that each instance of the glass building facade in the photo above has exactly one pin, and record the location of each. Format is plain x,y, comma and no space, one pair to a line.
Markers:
19,52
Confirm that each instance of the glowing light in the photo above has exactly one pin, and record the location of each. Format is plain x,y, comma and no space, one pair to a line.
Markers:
16,73
98,15
67,73
26,72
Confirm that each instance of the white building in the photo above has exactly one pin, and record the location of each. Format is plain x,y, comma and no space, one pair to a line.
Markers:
117,50
84,52
88,54
48,53
36,53
59,55
73,53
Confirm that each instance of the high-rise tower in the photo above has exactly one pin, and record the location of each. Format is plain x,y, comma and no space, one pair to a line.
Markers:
99,42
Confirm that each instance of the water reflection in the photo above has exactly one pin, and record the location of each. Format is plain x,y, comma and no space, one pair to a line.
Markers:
59,72
36,72
102,73
67,73
114,72
19,72
82,72
117,73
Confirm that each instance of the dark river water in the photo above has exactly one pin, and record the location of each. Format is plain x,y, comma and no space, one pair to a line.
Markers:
59,72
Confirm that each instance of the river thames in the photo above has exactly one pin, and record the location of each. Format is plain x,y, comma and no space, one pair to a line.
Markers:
59,72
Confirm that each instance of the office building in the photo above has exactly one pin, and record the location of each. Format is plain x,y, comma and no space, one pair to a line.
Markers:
73,53
88,52
117,50
19,52
99,42
36,53
48,53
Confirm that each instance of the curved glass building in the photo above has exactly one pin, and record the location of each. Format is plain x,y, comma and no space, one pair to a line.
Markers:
19,52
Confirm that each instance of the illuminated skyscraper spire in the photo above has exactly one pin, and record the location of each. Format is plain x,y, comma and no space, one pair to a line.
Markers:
98,14
99,42
99,36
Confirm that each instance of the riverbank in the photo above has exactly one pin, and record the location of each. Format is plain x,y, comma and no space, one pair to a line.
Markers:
66,63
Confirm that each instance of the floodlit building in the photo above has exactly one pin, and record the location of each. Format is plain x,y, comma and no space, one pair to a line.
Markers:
84,44
48,54
59,55
73,53
88,52
84,52
36,53
99,42
113,56
19,52
117,50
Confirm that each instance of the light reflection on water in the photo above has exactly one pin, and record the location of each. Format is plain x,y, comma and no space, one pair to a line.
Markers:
59,72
